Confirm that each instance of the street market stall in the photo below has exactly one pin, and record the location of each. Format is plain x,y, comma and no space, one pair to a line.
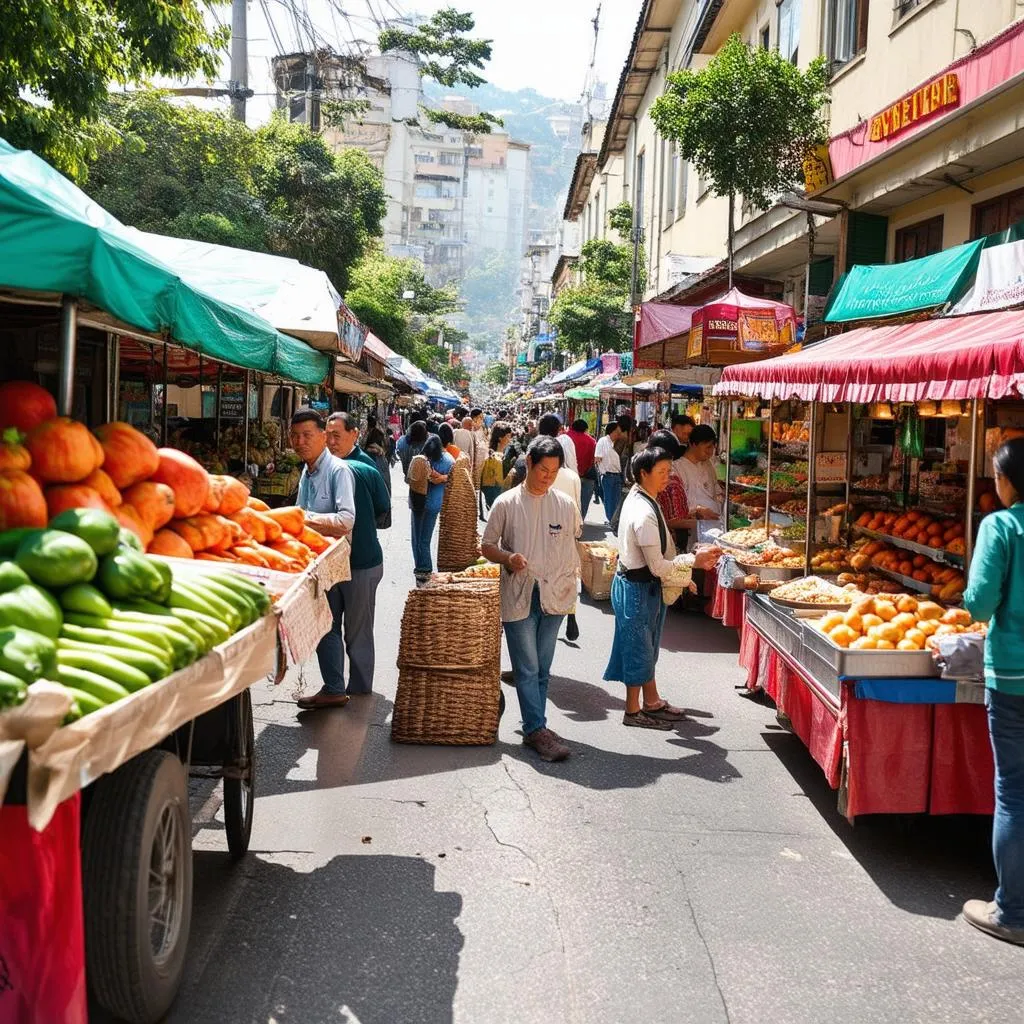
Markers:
893,428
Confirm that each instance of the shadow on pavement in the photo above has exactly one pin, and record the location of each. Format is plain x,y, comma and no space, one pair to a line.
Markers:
361,939
697,633
925,864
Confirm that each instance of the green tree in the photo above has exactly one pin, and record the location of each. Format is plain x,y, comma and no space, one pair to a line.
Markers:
58,59
184,171
448,57
746,121
496,374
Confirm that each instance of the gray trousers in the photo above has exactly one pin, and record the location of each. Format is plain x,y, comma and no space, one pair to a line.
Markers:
352,605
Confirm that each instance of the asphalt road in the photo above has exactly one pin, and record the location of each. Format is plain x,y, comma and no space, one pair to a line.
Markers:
700,875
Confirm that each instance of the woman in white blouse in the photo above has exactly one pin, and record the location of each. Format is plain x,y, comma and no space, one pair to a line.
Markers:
647,556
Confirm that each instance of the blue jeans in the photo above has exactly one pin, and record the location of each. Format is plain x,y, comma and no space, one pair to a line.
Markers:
422,533
531,647
611,491
586,495
1006,726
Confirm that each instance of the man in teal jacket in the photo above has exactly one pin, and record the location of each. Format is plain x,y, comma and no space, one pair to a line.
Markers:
358,596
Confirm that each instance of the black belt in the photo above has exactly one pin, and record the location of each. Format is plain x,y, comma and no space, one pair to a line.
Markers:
641,575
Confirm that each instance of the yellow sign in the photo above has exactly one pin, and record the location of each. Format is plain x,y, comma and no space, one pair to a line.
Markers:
695,349
939,94
817,169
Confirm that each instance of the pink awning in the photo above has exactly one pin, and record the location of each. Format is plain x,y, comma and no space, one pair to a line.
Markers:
979,356
666,326
377,348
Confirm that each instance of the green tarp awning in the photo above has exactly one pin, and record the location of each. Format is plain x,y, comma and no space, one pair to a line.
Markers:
55,239
582,394
889,289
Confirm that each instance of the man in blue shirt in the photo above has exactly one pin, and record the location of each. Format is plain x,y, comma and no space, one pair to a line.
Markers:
327,494
358,596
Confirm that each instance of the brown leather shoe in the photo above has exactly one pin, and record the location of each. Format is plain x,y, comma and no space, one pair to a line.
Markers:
323,699
548,746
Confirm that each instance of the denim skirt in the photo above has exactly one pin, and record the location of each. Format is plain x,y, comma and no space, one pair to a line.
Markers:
639,616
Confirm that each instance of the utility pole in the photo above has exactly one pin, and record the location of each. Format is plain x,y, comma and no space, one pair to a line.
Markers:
239,59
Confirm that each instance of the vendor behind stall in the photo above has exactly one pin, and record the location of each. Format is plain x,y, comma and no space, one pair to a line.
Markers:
696,469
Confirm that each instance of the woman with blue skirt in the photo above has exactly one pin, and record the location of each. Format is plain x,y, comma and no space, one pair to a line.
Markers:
647,556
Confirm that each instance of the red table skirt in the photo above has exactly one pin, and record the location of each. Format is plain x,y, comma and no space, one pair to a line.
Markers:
898,758
725,605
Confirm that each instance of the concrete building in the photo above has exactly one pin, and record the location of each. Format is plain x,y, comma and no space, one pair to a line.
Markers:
497,169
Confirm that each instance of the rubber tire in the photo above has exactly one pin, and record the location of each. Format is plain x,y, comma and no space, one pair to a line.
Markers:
238,822
117,842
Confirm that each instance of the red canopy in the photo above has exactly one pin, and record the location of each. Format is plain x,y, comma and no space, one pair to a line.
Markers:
979,356
661,335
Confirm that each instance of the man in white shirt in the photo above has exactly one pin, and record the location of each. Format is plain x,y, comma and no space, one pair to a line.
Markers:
696,469
531,532
610,468
550,425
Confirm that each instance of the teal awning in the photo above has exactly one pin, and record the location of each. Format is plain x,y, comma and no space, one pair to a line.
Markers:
889,289
55,239
582,394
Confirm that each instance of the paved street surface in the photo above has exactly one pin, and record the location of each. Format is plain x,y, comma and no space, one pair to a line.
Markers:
700,875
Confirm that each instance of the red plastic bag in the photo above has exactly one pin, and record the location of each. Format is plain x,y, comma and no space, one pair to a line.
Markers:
42,943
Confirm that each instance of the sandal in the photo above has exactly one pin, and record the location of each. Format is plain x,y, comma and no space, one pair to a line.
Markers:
641,720
665,712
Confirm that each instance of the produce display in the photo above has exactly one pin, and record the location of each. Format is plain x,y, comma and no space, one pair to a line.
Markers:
790,433
797,531
745,537
50,464
775,558
831,560
917,527
483,571
902,623
946,583
879,482
867,583
813,590
750,479
751,499
81,605
796,507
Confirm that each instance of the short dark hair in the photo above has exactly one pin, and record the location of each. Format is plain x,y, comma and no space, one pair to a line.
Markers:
432,448
1009,462
346,419
545,447
682,420
444,432
460,412
625,422
667,441
645,461
498,431
476,412
580,426
371,419
417,417
549,424
703,434
610,428
304,414
417,432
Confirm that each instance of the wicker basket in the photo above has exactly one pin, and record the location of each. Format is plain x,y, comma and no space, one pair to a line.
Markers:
458,545
595,573
449,663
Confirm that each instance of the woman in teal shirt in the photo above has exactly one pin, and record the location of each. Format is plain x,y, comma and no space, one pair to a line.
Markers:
995,594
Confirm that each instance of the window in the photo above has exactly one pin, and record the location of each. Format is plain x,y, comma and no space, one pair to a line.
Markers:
997,214
789,29
681,176
766,37
918,240
904,7
671,166
847,30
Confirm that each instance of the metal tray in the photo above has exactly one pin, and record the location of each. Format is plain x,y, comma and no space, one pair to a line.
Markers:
768,572
812,607
849,664
778,625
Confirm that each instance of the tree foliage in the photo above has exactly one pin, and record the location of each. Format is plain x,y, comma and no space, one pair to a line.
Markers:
746,121
496,374
58,59
185,171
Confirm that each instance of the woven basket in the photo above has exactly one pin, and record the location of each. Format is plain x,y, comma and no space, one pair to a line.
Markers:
449,662
595,573
458,545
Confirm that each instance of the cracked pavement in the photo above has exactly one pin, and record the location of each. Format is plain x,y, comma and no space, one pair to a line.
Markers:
700,875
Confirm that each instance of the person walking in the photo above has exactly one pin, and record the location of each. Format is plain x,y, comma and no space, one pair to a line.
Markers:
647,557
995,594
411,443
492,481
607,458
429,469
550,425
585,446
532,533
356,598
327,496
447,436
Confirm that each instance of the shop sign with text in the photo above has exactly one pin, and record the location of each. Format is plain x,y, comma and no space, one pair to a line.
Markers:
939,94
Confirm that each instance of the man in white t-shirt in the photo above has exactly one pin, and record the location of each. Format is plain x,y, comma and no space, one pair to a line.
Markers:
531,532
696,469
606,458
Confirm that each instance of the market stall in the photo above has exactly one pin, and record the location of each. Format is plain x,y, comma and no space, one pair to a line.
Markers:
862,476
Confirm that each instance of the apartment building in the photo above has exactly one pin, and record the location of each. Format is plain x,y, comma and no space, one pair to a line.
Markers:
497,183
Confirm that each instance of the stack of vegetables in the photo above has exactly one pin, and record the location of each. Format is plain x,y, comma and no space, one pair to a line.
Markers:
49,464
83,606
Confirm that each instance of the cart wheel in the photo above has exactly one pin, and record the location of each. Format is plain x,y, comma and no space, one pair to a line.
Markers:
239,792
501,703
137,886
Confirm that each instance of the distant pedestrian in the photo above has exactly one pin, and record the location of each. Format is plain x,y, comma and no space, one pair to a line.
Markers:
429,471
411,443
532,533
607,458
550,425
585,446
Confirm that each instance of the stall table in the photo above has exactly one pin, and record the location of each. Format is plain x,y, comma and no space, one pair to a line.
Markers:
890,746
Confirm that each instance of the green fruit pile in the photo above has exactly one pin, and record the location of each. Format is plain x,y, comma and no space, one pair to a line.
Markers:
82,605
